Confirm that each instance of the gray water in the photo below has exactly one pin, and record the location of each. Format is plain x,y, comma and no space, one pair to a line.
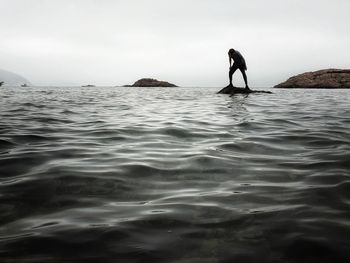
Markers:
174,175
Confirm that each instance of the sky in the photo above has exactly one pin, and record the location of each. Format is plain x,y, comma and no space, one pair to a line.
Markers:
116,42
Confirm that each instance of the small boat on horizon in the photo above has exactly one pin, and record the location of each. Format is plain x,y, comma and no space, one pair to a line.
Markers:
24,85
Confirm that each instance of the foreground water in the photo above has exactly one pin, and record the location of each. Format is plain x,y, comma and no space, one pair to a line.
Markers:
174,175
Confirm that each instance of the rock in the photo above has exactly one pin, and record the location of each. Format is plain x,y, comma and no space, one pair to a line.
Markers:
147,82
326,78
234,90
12,79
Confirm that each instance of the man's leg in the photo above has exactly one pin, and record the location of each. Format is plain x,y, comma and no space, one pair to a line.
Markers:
232,70
244,77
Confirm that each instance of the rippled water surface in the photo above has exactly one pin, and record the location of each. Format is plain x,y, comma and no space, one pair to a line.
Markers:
174,175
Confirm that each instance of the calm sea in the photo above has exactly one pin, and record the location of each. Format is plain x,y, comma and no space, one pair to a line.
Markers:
174,175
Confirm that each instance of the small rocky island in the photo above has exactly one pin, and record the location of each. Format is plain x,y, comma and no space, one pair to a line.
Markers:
148,82
232,90
326,78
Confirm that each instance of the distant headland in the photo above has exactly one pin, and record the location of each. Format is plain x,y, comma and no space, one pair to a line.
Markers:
148,82
326,78
12,79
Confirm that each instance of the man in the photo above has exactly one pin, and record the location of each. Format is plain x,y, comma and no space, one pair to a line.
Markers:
239,63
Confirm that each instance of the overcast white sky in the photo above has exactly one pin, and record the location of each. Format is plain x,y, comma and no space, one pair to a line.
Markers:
115,42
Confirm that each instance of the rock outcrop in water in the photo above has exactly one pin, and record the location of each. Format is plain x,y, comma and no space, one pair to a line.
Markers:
327,78
147,82
12,79
232,90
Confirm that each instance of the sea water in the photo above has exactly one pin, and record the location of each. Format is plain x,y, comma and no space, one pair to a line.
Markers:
107,174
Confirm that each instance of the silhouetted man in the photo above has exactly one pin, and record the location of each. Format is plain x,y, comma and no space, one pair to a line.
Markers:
238,63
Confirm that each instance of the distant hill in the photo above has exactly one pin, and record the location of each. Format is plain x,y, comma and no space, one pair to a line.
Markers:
12,79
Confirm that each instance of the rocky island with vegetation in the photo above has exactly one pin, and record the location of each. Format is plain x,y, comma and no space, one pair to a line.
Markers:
148,82
326,78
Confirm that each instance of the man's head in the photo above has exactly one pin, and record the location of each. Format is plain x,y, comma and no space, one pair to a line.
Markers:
231,52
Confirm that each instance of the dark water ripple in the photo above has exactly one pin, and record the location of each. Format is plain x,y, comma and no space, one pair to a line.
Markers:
174,175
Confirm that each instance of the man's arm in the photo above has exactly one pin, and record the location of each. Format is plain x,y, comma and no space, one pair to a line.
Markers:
229,58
